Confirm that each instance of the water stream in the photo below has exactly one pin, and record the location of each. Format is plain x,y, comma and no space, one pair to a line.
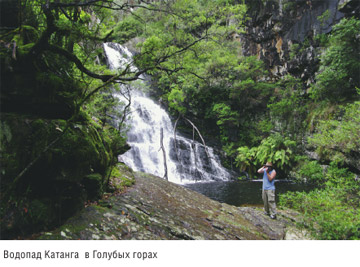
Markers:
188,163
185,160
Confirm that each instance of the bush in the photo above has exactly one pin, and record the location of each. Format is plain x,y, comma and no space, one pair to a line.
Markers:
127,29
275,148
341,178
310,171
338,140
332,212
287,106
325,213
339,68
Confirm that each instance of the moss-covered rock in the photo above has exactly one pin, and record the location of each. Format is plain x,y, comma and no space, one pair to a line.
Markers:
94,185
121,177
50,168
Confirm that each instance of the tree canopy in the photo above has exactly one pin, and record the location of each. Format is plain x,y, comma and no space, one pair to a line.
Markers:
56,87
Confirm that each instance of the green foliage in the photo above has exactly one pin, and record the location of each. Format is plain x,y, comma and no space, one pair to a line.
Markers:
289,5
287,106
247,96
322,39
246,158
310,171
275,148
105,107
204,74
340,178
226,118
127,29
239,94
336,139
324,17
54,188
190,49
294,50
120,178
230,150
339,68
176,99
151,49
327,215
331,212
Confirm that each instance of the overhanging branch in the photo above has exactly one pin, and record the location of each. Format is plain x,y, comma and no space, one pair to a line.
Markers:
78,63
113,5
80,4
123,77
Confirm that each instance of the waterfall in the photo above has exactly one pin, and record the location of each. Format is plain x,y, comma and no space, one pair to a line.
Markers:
152,129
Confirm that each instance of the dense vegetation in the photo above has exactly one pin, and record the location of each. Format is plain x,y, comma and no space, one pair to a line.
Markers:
258,121
59,142
59,139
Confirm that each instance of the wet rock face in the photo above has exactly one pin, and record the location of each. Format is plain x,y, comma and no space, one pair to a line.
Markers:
275,26
156,209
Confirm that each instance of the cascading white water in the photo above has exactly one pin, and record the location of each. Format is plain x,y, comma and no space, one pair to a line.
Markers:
188,163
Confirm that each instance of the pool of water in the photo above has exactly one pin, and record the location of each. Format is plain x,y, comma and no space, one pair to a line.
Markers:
243,193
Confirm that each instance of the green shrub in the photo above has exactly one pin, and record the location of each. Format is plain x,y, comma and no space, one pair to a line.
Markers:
339,67
338,139
287,106
127,29
332,212
276,149
310,171
325,213
340,178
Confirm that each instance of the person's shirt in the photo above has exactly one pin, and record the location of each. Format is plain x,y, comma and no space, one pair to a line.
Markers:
268,185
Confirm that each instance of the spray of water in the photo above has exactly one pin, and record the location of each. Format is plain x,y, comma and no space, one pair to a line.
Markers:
152,141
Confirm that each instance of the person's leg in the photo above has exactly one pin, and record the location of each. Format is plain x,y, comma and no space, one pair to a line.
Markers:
265,199
272,204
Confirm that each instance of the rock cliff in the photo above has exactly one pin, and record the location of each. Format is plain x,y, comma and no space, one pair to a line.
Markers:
282,32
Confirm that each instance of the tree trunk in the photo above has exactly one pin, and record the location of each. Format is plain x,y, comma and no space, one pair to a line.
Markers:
164,153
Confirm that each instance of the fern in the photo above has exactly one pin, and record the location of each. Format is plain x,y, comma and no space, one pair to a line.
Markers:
275,148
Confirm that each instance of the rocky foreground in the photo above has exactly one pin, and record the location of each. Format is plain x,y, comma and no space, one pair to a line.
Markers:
156,209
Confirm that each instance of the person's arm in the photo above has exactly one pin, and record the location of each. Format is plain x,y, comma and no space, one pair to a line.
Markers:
271,176
261,170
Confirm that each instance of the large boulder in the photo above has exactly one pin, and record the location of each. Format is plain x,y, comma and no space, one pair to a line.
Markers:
157,209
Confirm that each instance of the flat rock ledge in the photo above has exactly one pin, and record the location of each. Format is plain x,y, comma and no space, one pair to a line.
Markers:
154,209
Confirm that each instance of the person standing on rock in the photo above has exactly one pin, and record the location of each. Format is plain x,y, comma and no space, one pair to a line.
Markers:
268,190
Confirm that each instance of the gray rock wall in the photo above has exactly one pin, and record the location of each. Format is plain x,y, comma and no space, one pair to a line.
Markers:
274,26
